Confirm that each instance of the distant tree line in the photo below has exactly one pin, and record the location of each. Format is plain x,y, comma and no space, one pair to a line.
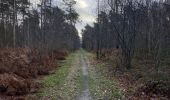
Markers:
133,26
45,27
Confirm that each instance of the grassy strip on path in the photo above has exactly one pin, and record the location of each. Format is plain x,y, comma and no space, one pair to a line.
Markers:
101,86
65,83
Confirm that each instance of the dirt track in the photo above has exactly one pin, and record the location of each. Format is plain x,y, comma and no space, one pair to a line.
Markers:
85,94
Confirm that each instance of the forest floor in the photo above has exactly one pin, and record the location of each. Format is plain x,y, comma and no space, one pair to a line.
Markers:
141,82
78,78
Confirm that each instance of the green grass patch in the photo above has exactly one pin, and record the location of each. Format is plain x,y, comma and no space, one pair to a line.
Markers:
101,86
52,84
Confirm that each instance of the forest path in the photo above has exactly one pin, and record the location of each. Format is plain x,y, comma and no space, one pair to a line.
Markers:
71,80
84,63
80,77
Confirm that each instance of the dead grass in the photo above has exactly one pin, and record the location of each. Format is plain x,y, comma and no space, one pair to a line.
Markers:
20,67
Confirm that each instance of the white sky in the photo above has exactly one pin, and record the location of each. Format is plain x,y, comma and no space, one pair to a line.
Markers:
87,12
85,8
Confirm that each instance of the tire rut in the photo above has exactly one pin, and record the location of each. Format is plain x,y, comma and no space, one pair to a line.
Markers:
85,94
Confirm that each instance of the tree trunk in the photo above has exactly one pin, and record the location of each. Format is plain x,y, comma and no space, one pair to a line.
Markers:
14,24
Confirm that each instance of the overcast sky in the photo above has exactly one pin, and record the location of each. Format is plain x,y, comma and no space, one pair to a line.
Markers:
87,12
85,8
